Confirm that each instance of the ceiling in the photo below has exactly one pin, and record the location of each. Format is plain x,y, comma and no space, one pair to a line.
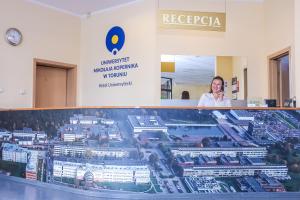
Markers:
86,7
81,7
193,70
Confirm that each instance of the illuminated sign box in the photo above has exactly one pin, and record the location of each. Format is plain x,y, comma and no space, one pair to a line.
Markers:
204,21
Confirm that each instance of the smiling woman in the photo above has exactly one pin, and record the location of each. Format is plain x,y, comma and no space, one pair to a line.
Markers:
189,73
215,97
195,74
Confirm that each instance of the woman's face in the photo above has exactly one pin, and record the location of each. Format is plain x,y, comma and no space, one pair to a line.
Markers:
216,86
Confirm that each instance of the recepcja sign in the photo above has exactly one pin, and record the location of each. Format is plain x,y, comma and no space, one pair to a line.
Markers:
205,21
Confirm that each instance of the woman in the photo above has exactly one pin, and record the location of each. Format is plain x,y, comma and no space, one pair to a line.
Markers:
215,97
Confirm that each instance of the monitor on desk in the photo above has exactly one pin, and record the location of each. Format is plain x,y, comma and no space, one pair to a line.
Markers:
271,102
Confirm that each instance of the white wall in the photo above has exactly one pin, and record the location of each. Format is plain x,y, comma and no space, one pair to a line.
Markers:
47,34
244,37
139,23
297,50
279,23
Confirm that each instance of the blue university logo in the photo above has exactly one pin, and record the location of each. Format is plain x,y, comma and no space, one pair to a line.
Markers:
115,39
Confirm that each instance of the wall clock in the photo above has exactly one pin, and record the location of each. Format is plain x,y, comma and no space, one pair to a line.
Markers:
13,36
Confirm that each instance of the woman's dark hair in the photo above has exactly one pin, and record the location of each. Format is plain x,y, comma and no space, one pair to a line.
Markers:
185,95
217,78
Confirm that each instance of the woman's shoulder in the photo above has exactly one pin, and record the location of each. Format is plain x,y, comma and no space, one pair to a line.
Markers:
205,98
207,95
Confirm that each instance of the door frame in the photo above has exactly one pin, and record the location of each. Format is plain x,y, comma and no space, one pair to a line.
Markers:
271,63
245,74
71,79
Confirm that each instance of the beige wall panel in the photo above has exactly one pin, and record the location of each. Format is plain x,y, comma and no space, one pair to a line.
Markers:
224,69
279,23
239,63
140,26
47,34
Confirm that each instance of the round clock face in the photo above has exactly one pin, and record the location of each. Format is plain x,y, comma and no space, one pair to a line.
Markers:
13,36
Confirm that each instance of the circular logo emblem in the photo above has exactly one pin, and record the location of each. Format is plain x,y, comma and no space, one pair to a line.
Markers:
115,39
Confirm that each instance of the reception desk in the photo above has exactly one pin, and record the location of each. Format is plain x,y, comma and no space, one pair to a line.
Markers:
194,103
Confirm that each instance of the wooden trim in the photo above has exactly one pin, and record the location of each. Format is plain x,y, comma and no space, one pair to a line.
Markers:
280,53
71,79
157,107
34,83
53,64
271,62
245,85
273,92
71,86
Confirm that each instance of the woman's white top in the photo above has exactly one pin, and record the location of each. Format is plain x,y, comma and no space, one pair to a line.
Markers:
208,100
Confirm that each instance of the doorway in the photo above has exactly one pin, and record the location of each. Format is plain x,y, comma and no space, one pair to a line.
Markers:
54,84
245,83
279,79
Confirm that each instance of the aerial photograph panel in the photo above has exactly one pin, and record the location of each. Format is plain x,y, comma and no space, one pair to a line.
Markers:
153,152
